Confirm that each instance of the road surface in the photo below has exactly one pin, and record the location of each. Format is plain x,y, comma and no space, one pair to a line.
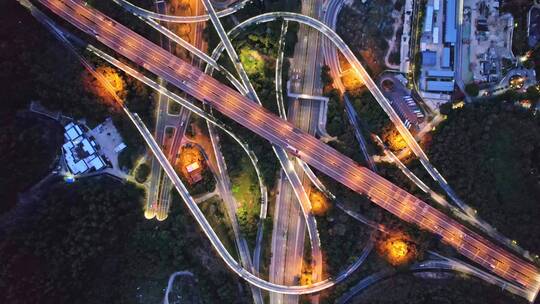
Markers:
180,19
327,160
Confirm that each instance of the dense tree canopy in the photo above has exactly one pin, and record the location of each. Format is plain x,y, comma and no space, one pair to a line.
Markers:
90,236
413,290
28,149
142,172
490,154
472,89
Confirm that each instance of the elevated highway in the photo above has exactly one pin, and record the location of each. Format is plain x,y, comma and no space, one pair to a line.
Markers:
327,160
139,11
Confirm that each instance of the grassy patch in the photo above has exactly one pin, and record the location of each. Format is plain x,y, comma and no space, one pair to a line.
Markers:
253,61
246,191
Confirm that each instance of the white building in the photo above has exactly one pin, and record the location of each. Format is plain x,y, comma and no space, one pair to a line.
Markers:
80,153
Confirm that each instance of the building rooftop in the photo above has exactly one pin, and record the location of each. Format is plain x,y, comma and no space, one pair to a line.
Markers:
446,58
440,86
429,58
450,33
72,131
440,73
428,23
80,153
192,167
96,163
121,146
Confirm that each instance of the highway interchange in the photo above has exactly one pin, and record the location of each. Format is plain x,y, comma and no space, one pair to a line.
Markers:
309,149
288,234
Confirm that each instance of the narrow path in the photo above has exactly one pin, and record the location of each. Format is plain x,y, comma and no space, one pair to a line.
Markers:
392,42
171,281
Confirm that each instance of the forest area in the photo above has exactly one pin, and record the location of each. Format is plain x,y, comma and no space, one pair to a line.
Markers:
89,236
490,154
446,290
60,82
258,50
366,27
29,147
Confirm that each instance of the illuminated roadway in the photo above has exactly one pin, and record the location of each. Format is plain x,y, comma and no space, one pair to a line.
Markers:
331,11
153,207
179,122
331,56
180,19
324,158
333,7
189,200
223,184
288,167
447,264
288,234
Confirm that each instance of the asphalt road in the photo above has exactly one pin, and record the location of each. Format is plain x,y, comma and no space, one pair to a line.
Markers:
180,19
279,132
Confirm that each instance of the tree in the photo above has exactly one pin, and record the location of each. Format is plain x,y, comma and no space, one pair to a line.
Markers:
472,89
325,76
248,223
533,92
445,108
488,152
142,172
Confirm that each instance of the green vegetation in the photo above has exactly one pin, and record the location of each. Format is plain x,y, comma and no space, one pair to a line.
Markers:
252,60
535,58
25,75
416,290
245,189
342,239
262,41
116,12
142,172
472,89
216,214
282,5
373,117
266,250
519,10
140,100
59,82
91,235
248,218
490,154
205,185
418,26
258,51
174,108
326,78
365,27
65,241
336,117
337,121
245,185
28,148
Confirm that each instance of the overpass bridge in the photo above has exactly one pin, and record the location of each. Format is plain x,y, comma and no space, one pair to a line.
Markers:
308,148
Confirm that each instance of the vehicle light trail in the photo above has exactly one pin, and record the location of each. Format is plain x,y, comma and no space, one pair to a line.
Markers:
327,160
